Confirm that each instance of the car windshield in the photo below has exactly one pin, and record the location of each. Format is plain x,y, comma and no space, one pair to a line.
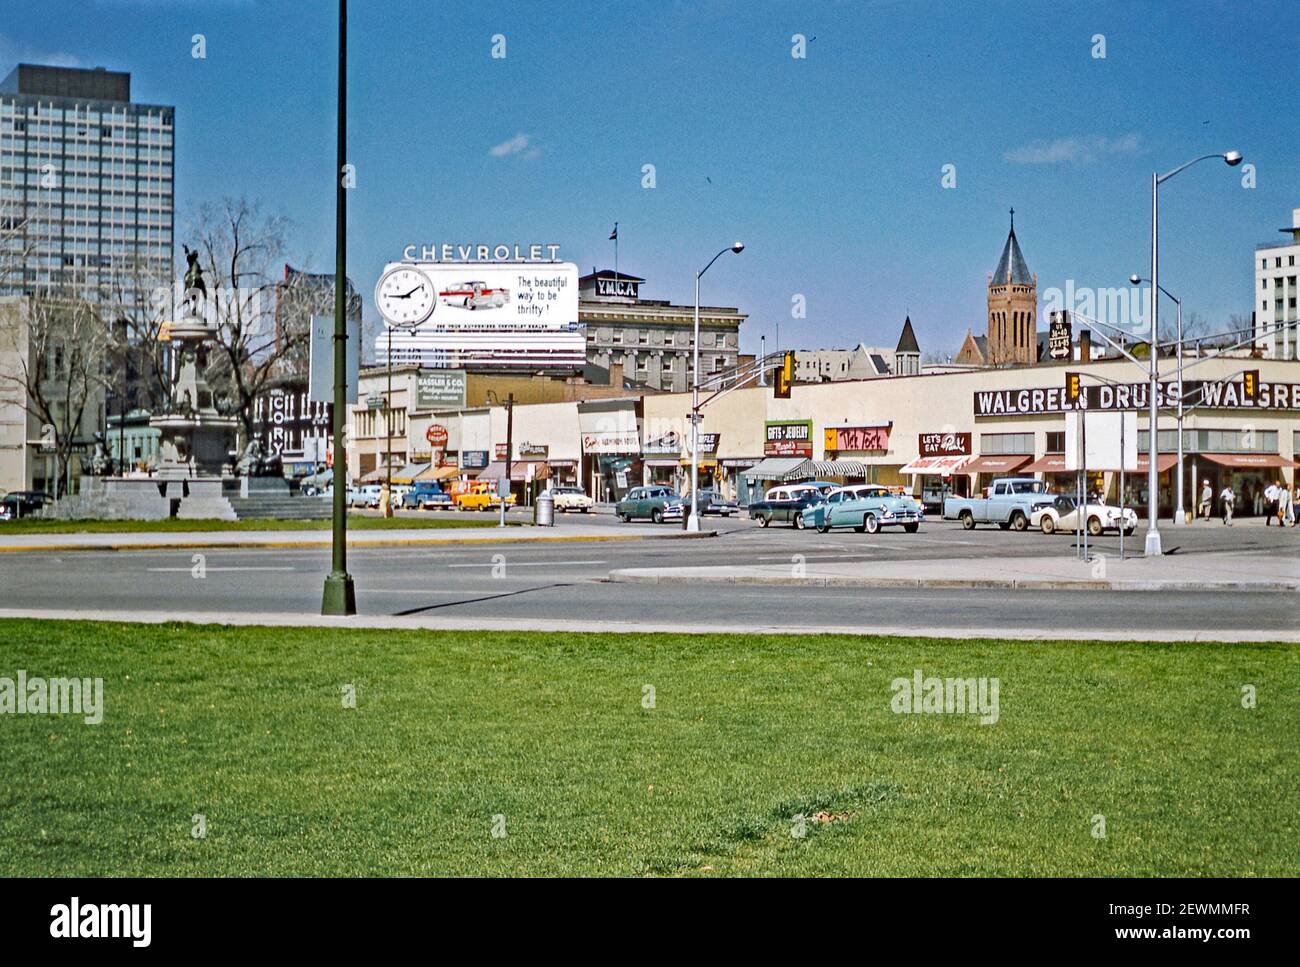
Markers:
1028,487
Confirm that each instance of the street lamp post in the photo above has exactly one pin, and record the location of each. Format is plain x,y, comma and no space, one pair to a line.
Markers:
339,596
1153,548
1179,513
693,524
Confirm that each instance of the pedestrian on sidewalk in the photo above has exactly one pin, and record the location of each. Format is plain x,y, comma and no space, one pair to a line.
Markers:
1227,499
1285,507
1270,503
1207,499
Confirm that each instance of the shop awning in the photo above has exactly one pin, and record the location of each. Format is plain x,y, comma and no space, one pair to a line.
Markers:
1248,461
518,470
661,461
816,469
774,468
443,472
935,466
709,462
1006,463
1055,463
409,473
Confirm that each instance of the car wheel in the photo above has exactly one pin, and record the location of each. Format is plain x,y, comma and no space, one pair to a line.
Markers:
798,523
656,516
823,528
967,520
911,528
1019,522
1094,526
1047,525
871,524
623,517
763,521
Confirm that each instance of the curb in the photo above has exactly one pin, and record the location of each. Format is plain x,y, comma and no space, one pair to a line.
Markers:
633,576
352,543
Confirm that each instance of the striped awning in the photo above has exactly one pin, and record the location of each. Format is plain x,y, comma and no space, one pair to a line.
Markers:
815,469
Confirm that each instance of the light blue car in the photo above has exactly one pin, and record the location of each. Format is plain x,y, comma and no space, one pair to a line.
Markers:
866,508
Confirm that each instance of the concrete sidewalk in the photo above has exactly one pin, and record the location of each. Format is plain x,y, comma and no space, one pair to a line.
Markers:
445,623
356,538
1176,572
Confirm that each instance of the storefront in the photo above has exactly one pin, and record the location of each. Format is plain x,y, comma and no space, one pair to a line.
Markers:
611,448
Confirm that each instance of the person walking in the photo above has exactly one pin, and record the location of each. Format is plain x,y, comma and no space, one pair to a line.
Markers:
1207,500
1285,507
1227,500
1270,503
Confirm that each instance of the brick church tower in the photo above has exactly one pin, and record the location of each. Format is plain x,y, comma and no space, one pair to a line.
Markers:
1013,308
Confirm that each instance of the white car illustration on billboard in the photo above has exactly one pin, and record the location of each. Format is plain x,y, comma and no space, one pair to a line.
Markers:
474,295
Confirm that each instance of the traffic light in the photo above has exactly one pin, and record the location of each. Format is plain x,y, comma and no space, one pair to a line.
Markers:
1073,387
784,377
1250,385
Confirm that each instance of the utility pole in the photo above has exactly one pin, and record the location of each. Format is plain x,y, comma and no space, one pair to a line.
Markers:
388,431
339,596
510,442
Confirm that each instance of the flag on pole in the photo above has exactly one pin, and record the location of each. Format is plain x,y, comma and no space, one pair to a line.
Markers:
613,236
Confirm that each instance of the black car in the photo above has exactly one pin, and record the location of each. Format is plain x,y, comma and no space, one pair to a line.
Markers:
784,507
23,503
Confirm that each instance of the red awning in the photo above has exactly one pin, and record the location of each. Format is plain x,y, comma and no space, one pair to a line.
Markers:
934,466
1008,463
1249,461
1055,463
518,470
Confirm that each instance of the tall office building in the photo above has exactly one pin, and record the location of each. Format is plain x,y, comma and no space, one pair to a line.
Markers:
86,184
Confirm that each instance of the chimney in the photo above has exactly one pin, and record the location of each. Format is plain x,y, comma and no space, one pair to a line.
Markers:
616,375
1085,346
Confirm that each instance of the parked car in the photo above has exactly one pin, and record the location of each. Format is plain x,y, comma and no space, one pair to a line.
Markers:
657,503
1007,502
784,504
712,502
313,485
572,498
23,503
367,495
1063,515
866,508
481,496
790,491
425,495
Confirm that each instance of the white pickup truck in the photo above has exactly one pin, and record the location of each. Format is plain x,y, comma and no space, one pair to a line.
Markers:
1007,502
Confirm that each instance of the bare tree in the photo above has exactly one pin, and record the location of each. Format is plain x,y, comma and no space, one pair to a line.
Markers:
239,249
55,349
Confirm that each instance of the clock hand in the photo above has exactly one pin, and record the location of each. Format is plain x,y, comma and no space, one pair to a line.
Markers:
407,295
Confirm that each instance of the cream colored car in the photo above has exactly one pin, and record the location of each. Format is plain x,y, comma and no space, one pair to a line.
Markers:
572,498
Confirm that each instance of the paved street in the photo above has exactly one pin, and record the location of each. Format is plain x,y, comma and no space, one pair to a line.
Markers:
567,581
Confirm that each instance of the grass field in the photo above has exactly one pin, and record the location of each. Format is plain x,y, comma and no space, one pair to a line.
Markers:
248,728
40,525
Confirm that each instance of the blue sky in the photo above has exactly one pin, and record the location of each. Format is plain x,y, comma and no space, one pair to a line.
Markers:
828,168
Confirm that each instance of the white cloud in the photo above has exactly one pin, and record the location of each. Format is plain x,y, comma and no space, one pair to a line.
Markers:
13,53
1073,150
519,143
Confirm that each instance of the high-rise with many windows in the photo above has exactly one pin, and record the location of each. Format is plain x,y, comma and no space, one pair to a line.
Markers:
1276,331
86,184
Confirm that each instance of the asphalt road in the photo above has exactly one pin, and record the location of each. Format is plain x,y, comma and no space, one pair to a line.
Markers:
562,581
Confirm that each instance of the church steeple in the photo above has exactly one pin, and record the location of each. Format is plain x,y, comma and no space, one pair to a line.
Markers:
1012,307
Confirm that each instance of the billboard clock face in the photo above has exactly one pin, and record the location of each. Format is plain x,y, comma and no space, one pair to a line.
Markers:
405,297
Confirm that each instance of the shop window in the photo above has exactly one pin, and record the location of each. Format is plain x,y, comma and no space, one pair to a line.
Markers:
1056,441
992,444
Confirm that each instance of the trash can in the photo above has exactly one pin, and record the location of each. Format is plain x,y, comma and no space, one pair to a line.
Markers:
545,509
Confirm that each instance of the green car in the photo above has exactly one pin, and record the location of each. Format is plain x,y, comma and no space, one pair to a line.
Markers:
657,503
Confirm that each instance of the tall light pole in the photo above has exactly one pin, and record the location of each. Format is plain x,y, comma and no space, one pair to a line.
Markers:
1153,548
693,524
340,596
1179,518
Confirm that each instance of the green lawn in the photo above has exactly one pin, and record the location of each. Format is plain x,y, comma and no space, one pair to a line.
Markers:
40,525
247,726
